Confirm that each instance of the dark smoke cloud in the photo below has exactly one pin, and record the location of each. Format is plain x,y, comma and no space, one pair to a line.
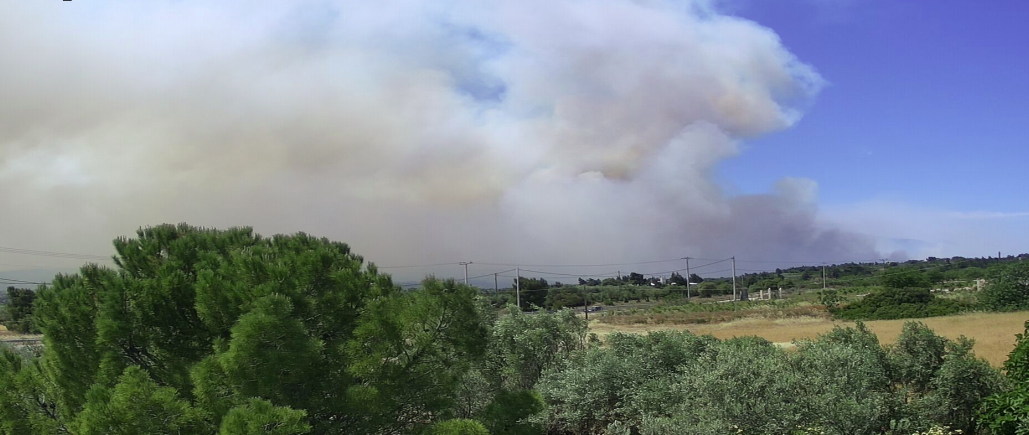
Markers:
515,130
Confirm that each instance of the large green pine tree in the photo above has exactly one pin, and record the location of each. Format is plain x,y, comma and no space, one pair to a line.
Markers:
204,331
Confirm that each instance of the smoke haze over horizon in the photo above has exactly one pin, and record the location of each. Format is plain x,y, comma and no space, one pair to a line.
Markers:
417,132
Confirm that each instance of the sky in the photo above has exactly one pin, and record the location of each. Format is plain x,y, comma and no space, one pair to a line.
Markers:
554,134
919,137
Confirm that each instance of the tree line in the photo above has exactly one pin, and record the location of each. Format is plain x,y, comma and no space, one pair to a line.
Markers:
202,331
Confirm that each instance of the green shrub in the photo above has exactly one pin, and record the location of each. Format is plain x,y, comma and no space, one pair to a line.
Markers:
905,303
905,279
459,426
1007,413
741,384
856,402
509,412
917,355
584,398
1008,288
958,388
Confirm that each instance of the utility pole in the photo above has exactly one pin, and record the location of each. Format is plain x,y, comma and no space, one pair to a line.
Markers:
496,286
518,287
823,276
465,264
687,277
734,277
585,305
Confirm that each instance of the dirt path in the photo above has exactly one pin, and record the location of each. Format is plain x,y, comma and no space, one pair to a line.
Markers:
994,333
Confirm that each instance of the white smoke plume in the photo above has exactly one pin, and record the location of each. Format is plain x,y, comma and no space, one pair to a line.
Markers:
510,130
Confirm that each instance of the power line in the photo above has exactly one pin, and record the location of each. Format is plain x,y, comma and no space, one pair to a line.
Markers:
419,265
491,274
806,262
579,265
572,274
713,262
53,254
9,281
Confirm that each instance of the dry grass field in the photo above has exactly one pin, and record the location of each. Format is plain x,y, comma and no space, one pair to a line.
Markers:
11,335
994,333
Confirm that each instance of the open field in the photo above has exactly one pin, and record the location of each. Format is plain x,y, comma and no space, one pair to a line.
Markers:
994,333
10,336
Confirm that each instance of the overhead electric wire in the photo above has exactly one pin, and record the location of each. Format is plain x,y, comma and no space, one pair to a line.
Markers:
579,265
571,274
52,254
806,262
713,262
418,265
490,274
9,281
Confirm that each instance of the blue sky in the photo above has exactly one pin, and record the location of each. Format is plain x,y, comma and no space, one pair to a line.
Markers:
927,103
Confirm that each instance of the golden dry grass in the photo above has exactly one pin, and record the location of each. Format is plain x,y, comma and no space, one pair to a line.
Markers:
11,335
716,317
994,333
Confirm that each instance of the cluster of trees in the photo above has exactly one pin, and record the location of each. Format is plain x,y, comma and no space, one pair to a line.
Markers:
930,272
538,293
201,331
556,297
906,295
844,382
899,303
16,313
1008,288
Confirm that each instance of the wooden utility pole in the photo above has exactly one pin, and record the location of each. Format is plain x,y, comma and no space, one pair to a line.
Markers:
823,276
518,287
734,277
465,264
585,304
687,277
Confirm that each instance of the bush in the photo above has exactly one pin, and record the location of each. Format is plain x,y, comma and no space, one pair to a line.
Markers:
1007,413
459,426
584,398
741,384
958,388
905,279
510,411
17,314
857,402
908,303
1008,288
917,355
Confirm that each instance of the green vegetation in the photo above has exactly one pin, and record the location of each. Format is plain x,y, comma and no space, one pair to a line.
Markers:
201,331
1007,413
195,324
16,315
842,383
915,289
1008,289
899,303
